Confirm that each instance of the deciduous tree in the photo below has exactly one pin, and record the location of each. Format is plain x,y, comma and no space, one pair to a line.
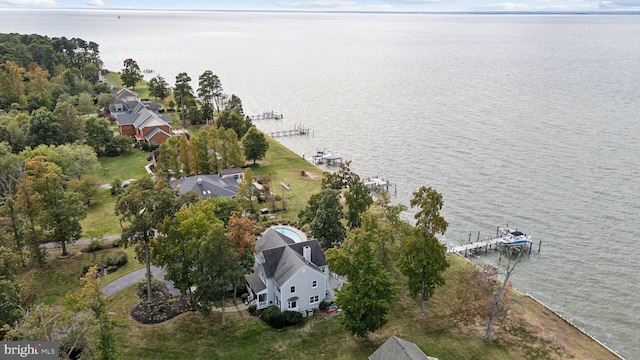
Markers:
178,248
323,214
142,207
255,145
44,128
159,87
358,199
61,210
98,133
217,269
233,119
366,297
513,256
422,257
92,300
131,74
70,123
235,103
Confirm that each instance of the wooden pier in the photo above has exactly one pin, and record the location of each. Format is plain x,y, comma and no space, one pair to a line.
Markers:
486,244
267,116
301,130
505,237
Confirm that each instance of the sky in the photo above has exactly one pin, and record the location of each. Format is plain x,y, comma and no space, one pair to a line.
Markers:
336,5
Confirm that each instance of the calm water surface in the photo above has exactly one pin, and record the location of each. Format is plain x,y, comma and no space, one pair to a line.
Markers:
527,120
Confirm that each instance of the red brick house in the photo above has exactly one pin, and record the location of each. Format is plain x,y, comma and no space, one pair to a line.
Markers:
140,119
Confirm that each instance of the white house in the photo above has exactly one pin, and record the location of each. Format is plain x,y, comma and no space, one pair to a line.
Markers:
289,273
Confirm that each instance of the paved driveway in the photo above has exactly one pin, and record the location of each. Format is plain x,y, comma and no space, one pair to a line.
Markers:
132,278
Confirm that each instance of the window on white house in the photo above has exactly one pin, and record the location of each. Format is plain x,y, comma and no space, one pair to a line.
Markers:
314,284
262,297
293,289
293,304
314,299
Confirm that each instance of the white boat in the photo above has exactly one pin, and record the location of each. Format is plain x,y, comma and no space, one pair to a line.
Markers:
512,237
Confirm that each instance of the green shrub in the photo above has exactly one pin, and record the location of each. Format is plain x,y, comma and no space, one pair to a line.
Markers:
323,305
277,319
111,269
244,297
111,150
252,309
120,258
94,245
141,287
85,268
292,318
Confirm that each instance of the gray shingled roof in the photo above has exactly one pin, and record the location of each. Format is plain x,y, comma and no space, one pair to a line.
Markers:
396,348
254,280
317,255
211,185
289,264
272,239
124,93
283,256
153,132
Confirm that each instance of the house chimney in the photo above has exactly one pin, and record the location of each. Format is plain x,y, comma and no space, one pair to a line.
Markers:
306,253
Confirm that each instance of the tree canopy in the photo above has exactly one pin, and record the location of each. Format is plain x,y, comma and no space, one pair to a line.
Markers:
422,257
183,91
131,73
255,145
366,297
142,207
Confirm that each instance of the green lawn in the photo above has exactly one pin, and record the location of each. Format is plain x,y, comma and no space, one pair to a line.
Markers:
285,166
59,276
141,87
101,218
123,167
194,336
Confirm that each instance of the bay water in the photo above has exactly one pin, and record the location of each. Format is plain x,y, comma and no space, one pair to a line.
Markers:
530,120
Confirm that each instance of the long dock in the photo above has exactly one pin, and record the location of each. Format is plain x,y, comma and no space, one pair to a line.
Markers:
293,132
505,236
266,116
487,244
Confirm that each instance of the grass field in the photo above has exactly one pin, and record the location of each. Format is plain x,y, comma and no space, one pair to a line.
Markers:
194,336
283,164
287,167
123,167
59,276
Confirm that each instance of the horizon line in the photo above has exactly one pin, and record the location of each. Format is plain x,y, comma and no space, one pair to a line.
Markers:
399,12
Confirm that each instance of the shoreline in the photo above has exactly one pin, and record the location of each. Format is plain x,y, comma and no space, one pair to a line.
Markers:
557,314
525,295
